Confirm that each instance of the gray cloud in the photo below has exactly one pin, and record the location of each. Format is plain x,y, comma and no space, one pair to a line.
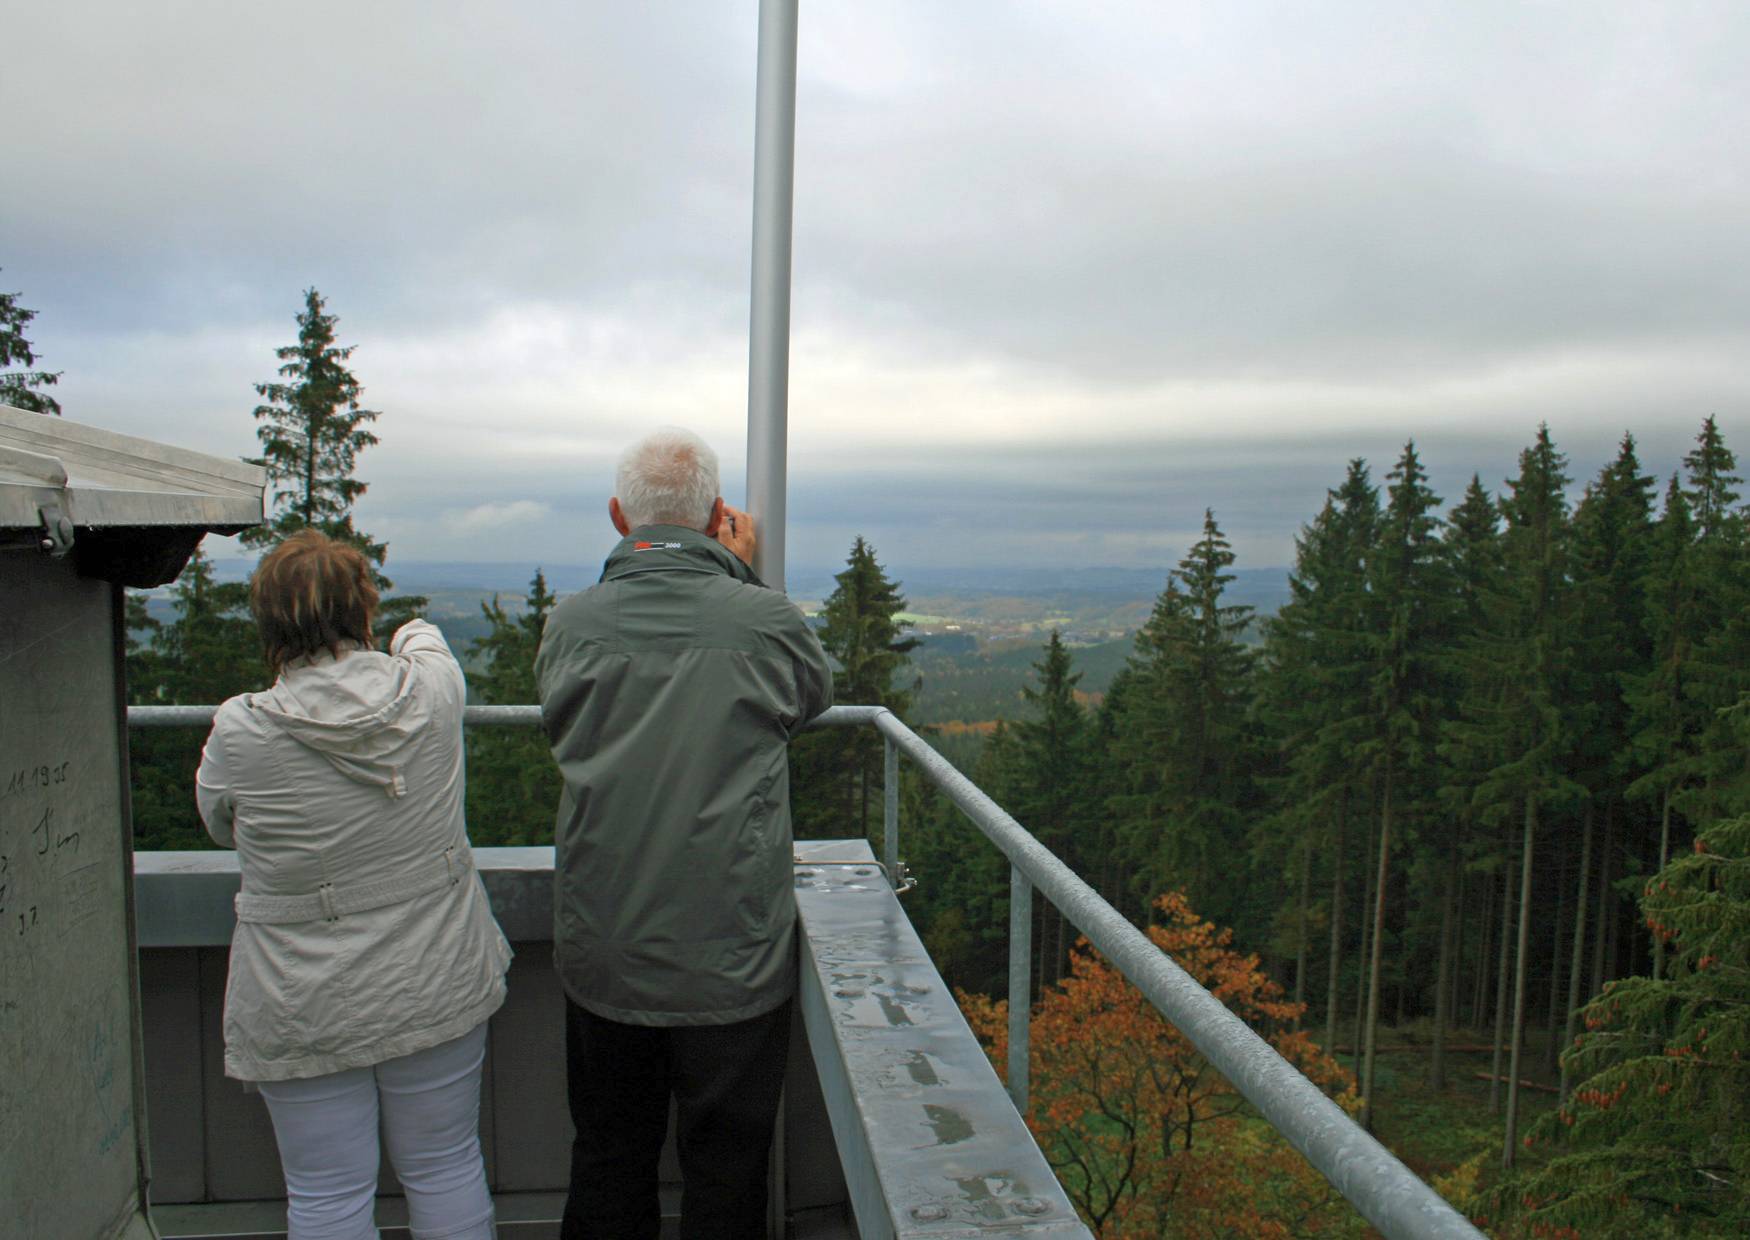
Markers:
1064,276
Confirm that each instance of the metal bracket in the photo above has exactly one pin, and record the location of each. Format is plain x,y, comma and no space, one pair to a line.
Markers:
901,882
57,537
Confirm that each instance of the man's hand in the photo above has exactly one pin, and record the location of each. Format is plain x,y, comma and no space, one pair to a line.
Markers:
736,533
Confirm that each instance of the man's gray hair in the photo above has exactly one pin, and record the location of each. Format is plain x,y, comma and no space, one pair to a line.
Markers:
667,478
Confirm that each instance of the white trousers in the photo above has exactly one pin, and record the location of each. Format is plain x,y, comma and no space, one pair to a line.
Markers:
430,1107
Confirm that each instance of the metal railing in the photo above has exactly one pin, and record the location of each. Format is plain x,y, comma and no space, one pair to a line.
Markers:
1384,1191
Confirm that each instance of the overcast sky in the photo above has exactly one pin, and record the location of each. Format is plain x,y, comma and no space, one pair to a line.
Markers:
1065,274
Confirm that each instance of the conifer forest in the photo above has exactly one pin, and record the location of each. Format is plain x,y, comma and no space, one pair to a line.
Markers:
1472,808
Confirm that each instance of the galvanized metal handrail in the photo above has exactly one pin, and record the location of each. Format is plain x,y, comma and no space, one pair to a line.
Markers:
1385,1192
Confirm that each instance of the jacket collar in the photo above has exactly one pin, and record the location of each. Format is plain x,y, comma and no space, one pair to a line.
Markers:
673,548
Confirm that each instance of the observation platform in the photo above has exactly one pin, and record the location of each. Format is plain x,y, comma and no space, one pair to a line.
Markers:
894,1123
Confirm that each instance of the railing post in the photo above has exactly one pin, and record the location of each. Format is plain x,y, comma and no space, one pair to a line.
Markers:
1020,978
890,814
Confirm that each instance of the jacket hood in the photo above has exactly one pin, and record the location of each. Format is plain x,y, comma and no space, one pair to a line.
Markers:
673,548
357,711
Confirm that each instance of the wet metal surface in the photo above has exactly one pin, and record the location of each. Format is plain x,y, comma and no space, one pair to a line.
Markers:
930,1143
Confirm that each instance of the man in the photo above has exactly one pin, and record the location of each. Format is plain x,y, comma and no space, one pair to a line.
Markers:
669,692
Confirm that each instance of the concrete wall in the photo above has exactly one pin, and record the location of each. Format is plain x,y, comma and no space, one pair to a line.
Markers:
70,1114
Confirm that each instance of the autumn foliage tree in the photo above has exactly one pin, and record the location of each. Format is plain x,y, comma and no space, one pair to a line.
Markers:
1147,1138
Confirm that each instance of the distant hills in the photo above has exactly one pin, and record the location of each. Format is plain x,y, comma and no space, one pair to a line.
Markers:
1263,588
996,604
982,627
1257,586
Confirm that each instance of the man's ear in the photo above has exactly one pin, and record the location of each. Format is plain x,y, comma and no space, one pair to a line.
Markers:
716,521
617,515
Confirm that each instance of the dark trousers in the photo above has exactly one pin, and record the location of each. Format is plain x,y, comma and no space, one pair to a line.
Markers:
725,1080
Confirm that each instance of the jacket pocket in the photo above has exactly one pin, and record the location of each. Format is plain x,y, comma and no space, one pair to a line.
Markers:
768,835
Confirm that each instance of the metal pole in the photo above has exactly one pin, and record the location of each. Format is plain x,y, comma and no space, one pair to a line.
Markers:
890,815
768,362
1020,974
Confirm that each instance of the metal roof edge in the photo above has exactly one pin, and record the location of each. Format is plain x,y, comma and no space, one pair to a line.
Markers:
94,455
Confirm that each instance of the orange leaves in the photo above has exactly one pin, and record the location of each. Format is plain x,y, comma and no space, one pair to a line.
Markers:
1552,1231
1136,1123
962,727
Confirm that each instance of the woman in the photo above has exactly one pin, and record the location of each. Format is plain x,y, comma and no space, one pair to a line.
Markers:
366,960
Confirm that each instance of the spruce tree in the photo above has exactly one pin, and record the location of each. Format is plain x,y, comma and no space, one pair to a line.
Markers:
1656,1138
1407,697
312,429
1531,640
961,904
1106,865
861,629
513,785
1712,499
1721,673
18,388
1665,718
1472,550
1052,746
209,651
1612,532
1186,742
1049,790
1314,687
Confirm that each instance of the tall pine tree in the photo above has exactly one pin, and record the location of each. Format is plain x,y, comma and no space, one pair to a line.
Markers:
1049,786
1315,688
208,652
1665,718
1407,697
1721,673
19,388
1612,531
513,785
1531,640
312,429
840,771
1656,1139
1472,549
1186,743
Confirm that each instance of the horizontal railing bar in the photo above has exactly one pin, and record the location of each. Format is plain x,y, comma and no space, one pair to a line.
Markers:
473,716
1386,1193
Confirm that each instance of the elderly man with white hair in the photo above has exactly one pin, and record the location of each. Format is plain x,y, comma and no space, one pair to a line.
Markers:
670,691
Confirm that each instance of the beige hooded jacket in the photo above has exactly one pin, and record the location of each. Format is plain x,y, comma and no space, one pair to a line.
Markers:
363,932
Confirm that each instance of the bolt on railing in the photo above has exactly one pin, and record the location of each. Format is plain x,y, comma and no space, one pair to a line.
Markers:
1385,1192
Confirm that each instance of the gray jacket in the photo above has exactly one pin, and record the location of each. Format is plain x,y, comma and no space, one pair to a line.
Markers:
670,691
363,932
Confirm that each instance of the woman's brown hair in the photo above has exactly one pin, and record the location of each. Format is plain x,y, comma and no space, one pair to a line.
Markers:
311,593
